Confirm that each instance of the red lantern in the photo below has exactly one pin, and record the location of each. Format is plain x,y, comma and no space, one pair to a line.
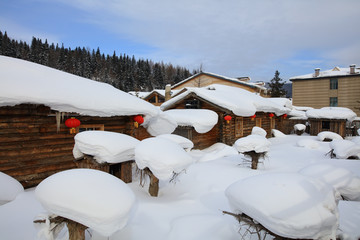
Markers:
227,118
253,117
285,116
271,115
72,123
138,120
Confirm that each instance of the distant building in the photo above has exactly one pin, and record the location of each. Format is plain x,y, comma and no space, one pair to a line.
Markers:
338,87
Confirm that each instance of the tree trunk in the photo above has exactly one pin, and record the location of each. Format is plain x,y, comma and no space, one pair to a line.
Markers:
154,185
76,230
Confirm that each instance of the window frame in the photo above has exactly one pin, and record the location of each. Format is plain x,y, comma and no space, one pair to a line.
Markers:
333,102
334,83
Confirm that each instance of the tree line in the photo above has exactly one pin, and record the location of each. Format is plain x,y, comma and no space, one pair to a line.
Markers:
123,72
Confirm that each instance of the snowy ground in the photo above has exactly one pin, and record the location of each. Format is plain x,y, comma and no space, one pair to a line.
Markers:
191,207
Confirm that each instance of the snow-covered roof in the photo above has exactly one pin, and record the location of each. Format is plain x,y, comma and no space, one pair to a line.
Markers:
160,92
331,113
241,102
203,120
335,72
234,80
26,82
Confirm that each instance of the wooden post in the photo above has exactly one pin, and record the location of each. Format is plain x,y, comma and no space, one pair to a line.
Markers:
126,171
154,185
76,230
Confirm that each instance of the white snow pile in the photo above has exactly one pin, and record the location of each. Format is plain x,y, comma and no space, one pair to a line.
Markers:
299,127
345,149
282,102
328,135
308,143
162,156
182,141
241,102
93,198
297,114
9,188
64,92
258,131
203,120
104,146
256,143
277,133
356,140
287,204
215,151
161,124
331,113
343,180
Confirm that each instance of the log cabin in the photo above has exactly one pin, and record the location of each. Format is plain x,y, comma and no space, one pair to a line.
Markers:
238,112
35,102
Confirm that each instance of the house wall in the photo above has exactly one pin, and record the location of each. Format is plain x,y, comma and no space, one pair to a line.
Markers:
32,149
337,126
316,93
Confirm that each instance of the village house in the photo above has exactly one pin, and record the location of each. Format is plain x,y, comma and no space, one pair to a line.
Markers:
238,112
35,104
156,96
338,87
204,79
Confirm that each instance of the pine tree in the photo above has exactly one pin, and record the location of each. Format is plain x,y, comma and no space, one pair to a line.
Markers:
276,86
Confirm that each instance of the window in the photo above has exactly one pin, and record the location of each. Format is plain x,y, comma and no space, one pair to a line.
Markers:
333,102
192,104
325,125
333,83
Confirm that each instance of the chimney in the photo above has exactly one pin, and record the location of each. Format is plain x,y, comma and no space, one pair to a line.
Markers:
167,92
317,72
352,68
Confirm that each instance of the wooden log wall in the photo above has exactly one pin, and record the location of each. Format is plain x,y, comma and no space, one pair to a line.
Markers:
32,149
336,126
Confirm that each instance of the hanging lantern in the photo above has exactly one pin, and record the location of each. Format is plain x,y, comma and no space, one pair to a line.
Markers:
284,116
271,115
72,123
253,117
138,119
227,118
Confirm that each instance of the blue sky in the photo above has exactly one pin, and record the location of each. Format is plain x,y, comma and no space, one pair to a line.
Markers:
234,38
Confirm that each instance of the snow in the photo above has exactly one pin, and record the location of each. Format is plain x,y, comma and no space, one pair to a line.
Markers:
104,146
64,92
182,141
331,113
336,71
328,135
161,124
345,148
293,203
215,151
308,143
342,179
241,102
9,188
299,127
277,133
258,131
255,143
162,156
93,198
203,120
191,207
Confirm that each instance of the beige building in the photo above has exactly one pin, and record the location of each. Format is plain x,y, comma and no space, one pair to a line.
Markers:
204,79
338,87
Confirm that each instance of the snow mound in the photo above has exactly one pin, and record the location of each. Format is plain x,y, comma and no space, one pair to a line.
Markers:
308,143
104,146
277,133
93,198
356,140
162,123
331,113
345,148
328,135
215,151
9,188
162,156
182,141
203,120
258,131
287,203
343,180
255,143
299,127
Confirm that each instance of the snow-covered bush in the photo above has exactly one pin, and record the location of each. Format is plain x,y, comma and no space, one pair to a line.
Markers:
286,204
258,131
182,141
93,198
299,128
328,136
345,149
343,180
9,188
277,133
